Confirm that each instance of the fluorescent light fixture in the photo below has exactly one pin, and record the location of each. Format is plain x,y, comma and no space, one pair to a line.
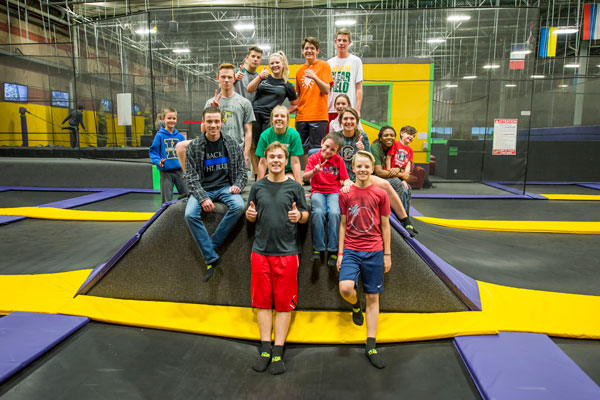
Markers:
538,76
436,40
452,85
144,31
520,53
265,46
510,85
98,3
178,51
470,77
563,86
459,17
566,29
491,66
344,22
571,65
244,26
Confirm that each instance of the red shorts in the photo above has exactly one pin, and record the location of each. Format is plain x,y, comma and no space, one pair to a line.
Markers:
274,281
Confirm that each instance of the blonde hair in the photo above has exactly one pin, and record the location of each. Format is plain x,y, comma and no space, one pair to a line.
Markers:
277,145
167,110
285,70
280,107
364,154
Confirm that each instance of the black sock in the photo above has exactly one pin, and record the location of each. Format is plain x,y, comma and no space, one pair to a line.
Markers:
277,365
372,354
264,358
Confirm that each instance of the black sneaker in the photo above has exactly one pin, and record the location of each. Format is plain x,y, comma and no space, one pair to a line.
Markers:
357,316
210,269
332,261
316,256
375,358
277,366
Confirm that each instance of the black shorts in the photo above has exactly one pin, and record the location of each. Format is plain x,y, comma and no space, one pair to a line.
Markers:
259,126
311,133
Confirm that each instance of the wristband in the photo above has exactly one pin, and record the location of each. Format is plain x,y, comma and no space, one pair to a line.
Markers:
340,254
387,254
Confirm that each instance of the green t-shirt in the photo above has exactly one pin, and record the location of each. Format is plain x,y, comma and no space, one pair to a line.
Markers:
376,151
291,138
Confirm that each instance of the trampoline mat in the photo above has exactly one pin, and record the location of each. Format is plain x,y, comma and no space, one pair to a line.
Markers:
44,246
585,353
541,261
108,361
462,188
560,189
509,209
130,202
32,198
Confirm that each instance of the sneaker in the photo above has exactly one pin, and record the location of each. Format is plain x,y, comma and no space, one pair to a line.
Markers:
210,269
262,362
277,366
375,358
316,256
357,316
332,261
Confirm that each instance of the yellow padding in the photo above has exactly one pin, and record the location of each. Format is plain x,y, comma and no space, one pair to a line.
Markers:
579,227
75,215
504,309
586,197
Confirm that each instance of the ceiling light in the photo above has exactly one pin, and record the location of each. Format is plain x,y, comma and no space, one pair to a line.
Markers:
451,85
519,53
144,31
436,40
244,26
344,22
97,3
491,66
265,47
565,30
571,65
510,85
459,18
538,76
470,77
563,85
186,50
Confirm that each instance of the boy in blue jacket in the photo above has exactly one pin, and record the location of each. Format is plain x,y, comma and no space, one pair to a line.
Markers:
162,154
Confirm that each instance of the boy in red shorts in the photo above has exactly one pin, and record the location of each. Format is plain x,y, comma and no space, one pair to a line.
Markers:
276,204
364,247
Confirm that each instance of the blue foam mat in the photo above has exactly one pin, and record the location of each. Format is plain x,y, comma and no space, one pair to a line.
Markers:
26,336
523,366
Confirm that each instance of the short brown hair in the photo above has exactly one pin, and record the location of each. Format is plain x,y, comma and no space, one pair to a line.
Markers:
167,110
365,154
254,48
336,138
212,110
277,145
311,40
344,31
408,129
225,66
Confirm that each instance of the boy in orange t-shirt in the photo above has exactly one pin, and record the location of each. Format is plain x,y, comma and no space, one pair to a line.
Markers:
313,82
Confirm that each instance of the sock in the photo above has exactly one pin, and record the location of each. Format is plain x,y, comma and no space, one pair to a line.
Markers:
264,358
373,355
277,365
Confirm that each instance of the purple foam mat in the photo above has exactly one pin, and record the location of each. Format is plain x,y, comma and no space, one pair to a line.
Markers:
87,199
590,185
523,366
465,287
101,270
4,219
469,196
26,336
62,189
513,190
414,212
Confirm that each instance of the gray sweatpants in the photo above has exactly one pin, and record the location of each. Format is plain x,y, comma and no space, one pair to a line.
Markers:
167,180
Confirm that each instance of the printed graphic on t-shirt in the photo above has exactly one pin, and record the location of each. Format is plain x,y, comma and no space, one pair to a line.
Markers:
170,148
401,158
227,115
360,218
215,161
331,170
347,152
341,78
307,83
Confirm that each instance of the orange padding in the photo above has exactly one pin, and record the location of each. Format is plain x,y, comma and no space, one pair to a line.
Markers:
504,309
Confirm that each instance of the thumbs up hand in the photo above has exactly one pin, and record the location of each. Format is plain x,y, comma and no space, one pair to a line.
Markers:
294,215
240,73
264,74
251,212
359,144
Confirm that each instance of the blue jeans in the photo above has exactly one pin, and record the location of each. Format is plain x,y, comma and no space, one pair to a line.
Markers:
193,216
325,208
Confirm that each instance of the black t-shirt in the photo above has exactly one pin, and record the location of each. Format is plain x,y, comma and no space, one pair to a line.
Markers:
215,169
270,93
275,235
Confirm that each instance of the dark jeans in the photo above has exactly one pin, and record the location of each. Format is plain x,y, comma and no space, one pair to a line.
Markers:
311,133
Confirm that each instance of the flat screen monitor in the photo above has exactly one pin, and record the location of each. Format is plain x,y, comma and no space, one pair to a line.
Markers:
60,99
15,92
106,105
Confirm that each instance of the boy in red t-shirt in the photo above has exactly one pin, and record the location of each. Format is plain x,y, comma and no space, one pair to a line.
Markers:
400,155
364,247
327,172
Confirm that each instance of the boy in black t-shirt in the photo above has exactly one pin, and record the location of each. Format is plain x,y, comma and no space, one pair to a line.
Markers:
215,171
276,204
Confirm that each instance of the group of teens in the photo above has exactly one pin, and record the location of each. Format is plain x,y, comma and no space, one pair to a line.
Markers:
353,183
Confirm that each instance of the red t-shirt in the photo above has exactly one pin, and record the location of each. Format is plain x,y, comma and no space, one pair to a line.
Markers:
401,155
333,171
363,208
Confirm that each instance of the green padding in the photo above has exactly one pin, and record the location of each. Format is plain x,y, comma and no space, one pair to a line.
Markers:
155,178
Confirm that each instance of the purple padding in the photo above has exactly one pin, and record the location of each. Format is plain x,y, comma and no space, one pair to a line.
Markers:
525,366
26,336
62,189
414,212
101,270
500,186
4,219
469,196
462,285
87,199
4,188
590,185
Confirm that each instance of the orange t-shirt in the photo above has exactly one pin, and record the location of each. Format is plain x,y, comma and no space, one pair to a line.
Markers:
312,104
